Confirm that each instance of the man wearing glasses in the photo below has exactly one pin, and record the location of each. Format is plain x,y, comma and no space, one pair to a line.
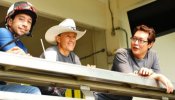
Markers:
140,60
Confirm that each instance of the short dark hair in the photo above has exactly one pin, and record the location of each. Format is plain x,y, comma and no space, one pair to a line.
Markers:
149,30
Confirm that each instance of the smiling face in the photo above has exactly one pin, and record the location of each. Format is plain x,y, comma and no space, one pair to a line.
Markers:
139,44
66,42
21,24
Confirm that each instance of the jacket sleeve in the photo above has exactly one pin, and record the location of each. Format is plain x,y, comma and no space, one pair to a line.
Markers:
5,37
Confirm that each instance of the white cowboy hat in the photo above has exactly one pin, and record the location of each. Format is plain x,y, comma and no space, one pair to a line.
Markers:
68,25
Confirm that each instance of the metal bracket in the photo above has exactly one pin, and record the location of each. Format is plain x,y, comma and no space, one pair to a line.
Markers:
165,98
86,91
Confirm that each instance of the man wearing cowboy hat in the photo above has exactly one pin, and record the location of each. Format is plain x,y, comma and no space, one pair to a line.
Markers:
63,37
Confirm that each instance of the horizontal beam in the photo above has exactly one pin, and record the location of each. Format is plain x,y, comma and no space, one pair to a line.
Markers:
120,88
24,96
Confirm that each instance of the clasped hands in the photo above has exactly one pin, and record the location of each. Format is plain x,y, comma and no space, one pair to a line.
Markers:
144,72
17,50
91,66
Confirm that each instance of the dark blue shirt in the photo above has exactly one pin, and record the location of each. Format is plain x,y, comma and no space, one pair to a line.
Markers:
7,36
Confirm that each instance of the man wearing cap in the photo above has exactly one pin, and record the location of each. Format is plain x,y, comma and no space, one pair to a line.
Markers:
19,21
63,37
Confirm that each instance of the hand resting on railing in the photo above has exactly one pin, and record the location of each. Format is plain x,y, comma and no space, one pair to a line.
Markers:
159,77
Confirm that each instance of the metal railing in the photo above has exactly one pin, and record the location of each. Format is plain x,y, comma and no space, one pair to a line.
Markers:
37,71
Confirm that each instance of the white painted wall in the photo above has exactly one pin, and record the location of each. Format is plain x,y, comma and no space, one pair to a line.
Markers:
90,12
165,48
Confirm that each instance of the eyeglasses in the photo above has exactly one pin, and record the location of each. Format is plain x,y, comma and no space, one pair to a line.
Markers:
140,41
